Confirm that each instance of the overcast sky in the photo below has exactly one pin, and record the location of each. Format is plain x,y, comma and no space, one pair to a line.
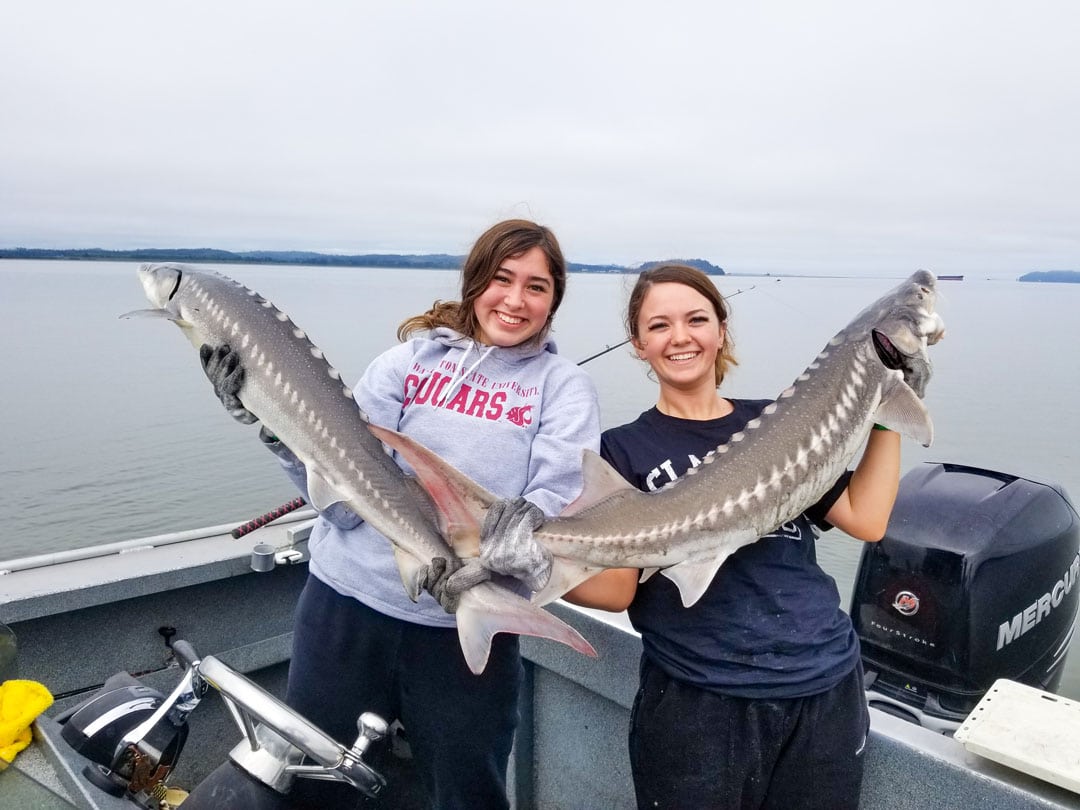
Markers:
802,135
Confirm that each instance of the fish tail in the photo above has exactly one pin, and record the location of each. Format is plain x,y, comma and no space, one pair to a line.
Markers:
481,615
460,501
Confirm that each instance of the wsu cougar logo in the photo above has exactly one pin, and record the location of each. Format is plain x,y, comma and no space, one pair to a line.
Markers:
520,415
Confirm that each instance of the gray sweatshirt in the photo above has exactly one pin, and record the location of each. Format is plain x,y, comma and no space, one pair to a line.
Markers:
514,419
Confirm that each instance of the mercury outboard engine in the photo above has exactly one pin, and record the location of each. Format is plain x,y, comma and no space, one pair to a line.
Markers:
975,580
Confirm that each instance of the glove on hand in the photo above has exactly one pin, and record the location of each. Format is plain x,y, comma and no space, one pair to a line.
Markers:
447,579
507,545
223,368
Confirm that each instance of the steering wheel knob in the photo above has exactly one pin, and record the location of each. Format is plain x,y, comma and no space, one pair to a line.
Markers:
372,728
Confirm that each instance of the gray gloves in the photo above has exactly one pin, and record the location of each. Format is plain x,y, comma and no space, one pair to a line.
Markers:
446,579
507,545
223,368
225,371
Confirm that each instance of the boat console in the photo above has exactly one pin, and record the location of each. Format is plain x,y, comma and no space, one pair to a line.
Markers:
131,737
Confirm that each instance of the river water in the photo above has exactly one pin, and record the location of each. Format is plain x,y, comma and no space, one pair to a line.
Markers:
110,431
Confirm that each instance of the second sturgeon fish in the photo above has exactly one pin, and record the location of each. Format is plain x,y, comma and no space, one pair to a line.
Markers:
873,370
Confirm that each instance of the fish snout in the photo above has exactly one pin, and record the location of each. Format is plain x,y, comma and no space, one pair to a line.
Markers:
160,282
933,327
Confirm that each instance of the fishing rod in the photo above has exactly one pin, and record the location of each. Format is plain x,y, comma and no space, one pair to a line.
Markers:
624,342
269,517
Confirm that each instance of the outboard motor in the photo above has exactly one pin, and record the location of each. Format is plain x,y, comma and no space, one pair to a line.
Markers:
975,580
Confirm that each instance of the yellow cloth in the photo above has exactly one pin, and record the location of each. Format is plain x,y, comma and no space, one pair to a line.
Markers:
20,703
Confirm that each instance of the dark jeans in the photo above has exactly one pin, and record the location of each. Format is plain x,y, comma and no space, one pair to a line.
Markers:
692,749
348,659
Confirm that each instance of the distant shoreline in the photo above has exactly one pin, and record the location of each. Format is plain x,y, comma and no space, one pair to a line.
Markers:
413,261
428,261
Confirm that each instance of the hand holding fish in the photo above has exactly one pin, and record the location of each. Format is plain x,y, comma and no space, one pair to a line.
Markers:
225,370
222,365
507,545
447,578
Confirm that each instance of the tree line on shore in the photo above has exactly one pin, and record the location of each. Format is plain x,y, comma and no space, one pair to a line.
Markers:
430,261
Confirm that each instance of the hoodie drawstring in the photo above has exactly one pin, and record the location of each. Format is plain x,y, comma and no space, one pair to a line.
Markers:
460,375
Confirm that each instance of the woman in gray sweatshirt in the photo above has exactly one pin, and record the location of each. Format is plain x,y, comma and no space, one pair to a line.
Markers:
479,382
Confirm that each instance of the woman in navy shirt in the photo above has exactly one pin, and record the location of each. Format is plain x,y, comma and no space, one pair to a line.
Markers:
752,697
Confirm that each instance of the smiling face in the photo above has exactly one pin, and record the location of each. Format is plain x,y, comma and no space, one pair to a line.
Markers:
680,336
517,302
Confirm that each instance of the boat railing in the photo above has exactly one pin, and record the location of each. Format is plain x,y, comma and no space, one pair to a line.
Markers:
127,546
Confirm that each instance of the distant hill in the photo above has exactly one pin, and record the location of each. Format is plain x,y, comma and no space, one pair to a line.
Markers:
701,264
1072,276
432,261
439,261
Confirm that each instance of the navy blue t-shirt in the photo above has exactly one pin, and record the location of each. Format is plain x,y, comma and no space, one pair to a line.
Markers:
770,623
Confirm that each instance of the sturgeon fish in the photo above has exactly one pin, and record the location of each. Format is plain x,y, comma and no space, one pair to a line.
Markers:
873,370
300,398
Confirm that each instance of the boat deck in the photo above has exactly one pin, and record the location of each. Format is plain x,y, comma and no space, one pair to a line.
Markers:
80,620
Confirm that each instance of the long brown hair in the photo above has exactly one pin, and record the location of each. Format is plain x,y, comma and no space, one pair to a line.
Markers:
696,280
504,240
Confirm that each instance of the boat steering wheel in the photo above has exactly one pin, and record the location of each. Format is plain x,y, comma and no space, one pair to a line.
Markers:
277,739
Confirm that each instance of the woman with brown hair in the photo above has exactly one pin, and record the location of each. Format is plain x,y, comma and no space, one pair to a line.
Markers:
753,696
477,381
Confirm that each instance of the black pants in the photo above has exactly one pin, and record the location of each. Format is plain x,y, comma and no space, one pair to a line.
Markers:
348,659
691,749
